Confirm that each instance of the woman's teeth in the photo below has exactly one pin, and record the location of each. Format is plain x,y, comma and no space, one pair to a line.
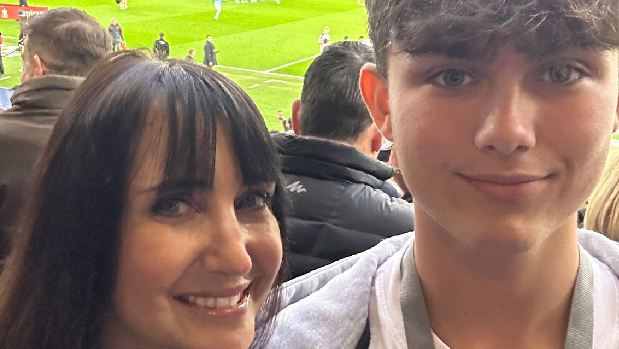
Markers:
215,303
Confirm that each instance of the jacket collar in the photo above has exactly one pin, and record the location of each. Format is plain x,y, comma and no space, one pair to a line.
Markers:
49,92
323,159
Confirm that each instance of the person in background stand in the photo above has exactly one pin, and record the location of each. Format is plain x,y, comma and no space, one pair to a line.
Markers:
191,56
116,32
280,117
334,181
324,39
161,48
62,46
210,54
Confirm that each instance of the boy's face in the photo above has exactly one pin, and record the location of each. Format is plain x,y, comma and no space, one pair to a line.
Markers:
498,154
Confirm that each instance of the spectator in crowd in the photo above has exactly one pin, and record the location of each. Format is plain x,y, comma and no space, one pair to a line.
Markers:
602,213
61,47
210,53
501,119
330,166
161,48
137,241
365,41
116,32
280,117
324,39
191,55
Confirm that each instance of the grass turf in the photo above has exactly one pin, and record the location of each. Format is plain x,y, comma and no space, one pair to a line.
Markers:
264,39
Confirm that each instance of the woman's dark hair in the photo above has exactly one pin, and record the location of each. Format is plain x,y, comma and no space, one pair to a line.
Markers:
57,287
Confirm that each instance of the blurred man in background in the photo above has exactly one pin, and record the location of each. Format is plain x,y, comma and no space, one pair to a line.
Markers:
116,32
330,166
191,55
161,48
61,47
210,53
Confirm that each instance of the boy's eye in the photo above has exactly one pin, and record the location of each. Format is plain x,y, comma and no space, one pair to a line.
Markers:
170,208
563,74
452,78
254,199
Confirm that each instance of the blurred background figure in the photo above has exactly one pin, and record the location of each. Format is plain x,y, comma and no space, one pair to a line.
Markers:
62,46
161,48
602,212
336,183
210,53
324,39
217,4
191,55
116,32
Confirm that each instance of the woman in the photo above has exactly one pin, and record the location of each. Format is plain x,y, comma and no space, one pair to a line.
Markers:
157,218
602,213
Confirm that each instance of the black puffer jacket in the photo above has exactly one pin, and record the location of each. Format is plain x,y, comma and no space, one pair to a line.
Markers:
338,207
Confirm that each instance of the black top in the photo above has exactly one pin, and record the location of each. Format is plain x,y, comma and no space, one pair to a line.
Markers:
338,208
161,49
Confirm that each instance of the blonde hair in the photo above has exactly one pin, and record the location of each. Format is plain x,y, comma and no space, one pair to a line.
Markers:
602,213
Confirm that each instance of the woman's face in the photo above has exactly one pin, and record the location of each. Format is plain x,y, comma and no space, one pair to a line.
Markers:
195,263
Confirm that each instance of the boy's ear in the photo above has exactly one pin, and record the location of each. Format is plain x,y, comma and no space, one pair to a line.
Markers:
376,97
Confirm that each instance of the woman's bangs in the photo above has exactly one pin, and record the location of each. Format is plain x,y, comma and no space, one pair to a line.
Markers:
197,104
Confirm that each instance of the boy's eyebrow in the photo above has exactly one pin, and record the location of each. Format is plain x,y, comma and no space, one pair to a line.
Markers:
459,50
464,52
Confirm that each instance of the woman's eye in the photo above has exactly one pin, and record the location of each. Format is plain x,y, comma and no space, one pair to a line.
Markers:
452,78
563,74
170,208
254,200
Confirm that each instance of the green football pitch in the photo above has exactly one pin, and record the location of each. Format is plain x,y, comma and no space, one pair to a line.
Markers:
264,47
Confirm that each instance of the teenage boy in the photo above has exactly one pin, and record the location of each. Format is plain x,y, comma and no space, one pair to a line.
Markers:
501,114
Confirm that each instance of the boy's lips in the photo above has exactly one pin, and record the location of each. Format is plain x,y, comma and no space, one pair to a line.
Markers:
505,187
505,179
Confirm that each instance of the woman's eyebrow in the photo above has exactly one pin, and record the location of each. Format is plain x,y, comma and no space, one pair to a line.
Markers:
178,185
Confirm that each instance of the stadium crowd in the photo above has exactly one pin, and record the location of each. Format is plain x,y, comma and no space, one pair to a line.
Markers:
145,204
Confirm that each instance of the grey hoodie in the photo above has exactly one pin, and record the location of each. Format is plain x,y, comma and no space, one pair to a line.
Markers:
328,307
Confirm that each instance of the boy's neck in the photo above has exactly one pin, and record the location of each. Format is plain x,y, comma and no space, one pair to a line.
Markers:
477,298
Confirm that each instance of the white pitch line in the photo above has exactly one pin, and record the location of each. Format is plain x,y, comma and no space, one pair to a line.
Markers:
273,80
5,77
261,72
254,86
292,63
